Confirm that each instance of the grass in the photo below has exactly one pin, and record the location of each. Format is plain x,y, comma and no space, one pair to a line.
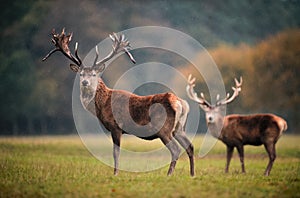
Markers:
60,166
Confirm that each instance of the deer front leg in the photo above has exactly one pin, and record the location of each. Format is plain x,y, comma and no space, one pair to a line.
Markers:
229,156
116,137
240,149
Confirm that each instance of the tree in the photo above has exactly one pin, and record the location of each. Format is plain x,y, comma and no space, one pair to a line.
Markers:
270,71
277,71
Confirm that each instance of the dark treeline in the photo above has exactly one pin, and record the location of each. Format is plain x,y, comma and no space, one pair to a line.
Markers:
259,40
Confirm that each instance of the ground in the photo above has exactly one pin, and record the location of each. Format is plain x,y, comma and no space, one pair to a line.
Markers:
61,166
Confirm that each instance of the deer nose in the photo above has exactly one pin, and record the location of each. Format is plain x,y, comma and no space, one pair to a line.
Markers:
85,83
210,119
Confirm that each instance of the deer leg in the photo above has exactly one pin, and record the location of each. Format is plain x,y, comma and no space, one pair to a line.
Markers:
270,147
188,146
240,149
229,156
116,137
175,151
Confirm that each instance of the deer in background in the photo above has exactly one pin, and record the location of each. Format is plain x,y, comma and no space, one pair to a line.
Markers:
239,130
107,104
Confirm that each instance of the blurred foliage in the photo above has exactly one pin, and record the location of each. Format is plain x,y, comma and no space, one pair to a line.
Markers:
36,97
270,70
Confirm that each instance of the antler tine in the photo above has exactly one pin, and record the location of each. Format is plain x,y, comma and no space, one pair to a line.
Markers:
61,42
120,43
50,53
97,55
76,53
122,37
130,55
237,83
236,91
218,97
70,35
193,95
204,100
112,37
189,87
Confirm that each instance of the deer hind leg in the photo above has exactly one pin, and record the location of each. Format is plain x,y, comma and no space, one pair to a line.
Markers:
179,133
175,152
270,147
189,148
116,137
229,156
240,149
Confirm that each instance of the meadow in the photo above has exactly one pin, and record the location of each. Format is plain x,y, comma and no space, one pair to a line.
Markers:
61,166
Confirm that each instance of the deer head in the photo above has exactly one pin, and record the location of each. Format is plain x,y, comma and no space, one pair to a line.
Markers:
212,112
88,74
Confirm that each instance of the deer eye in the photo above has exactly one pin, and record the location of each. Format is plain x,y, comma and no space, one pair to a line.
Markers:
81,74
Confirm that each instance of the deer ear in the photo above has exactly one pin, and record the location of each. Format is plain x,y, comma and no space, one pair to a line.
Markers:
100,68
74,68
204,107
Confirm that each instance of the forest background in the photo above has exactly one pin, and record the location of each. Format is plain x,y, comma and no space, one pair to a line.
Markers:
259,40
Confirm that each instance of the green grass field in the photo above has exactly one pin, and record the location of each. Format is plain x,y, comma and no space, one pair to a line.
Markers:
60,166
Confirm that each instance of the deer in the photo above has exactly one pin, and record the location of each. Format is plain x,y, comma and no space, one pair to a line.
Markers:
237,130
162,115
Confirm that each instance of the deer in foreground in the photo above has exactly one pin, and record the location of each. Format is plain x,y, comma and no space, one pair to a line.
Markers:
239,130
122,112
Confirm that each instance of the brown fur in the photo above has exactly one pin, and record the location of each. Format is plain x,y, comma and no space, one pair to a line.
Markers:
239,130
139,109
256,129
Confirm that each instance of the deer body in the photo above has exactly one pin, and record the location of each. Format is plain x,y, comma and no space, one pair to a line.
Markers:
255,129
148,117
236,130
139,107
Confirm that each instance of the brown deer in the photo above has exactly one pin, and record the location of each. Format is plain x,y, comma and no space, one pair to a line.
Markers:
239,130
148,117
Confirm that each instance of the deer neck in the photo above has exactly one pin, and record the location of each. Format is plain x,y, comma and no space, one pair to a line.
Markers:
102,94
91,107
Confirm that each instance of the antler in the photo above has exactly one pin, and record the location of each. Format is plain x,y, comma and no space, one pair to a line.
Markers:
236,91
120,43
61,42
193,95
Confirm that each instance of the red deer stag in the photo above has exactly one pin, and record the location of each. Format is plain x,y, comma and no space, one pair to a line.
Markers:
239,130
107,104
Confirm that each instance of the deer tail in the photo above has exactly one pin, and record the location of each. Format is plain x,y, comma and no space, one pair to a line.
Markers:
282,125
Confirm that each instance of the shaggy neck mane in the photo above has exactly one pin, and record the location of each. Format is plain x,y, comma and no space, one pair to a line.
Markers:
102,94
